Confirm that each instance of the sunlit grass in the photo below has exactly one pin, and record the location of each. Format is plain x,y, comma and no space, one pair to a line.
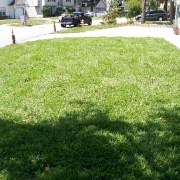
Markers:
9,21
30,21
90,108
87,28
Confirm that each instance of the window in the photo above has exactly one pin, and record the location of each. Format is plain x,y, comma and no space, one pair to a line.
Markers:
84,3
2,11
68,0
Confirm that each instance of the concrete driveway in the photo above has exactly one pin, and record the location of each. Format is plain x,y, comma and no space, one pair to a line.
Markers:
33,33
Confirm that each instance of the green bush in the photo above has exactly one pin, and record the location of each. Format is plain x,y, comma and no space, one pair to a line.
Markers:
111,21
45,11
148,22
130,22
60,11
112,14
133,7
152,4
70,9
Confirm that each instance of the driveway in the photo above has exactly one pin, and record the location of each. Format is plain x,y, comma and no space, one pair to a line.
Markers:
24,34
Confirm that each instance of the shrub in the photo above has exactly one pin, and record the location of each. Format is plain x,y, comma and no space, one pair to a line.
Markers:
70,9
60,11
133,7
130,22
111,21
148,22
45,11
112,14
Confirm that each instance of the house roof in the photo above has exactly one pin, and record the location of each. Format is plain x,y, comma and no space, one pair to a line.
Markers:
19,3
100,4
12,3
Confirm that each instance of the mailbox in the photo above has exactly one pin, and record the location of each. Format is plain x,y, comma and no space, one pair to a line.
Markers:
23,19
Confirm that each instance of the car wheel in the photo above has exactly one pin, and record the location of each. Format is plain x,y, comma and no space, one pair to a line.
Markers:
63,25
90,22
78,24
160,18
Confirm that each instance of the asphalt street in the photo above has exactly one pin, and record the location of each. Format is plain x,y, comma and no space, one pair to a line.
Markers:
24,33
46,31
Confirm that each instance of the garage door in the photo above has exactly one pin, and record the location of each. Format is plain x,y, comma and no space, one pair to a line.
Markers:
18,12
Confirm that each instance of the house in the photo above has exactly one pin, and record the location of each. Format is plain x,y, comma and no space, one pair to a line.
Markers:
101,6
85,5
33,8
4,10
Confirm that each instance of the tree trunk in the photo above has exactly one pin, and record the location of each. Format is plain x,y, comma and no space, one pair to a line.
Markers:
172,11
92,1
165,5
143,12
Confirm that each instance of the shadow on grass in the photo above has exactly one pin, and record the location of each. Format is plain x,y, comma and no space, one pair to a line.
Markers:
87,144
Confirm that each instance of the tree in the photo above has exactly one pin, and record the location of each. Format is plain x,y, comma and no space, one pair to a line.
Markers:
111,16
115,3
172,11
143,12
152,4
165,5
92,4
133,7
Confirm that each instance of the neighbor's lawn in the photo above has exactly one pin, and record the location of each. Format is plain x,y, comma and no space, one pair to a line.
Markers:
87,28
30,21
9,21
90,108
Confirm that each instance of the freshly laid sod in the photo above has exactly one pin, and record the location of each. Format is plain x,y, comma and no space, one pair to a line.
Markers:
90,108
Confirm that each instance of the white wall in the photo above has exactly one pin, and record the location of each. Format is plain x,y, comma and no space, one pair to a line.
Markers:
34,11
5,3
18,12
34,8
68,4
51,3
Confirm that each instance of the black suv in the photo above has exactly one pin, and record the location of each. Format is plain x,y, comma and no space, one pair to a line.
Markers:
155,15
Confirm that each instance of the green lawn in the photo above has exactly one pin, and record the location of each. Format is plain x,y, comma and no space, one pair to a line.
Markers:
30,21
87,28
90,108
9,21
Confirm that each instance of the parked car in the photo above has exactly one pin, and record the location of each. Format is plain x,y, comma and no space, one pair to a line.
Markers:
155,15
100,13
89,13
75,18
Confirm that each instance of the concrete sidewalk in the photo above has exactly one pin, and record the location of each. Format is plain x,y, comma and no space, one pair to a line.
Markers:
126,31
24,34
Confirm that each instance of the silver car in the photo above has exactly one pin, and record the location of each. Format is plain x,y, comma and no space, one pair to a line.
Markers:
100,13
89,13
